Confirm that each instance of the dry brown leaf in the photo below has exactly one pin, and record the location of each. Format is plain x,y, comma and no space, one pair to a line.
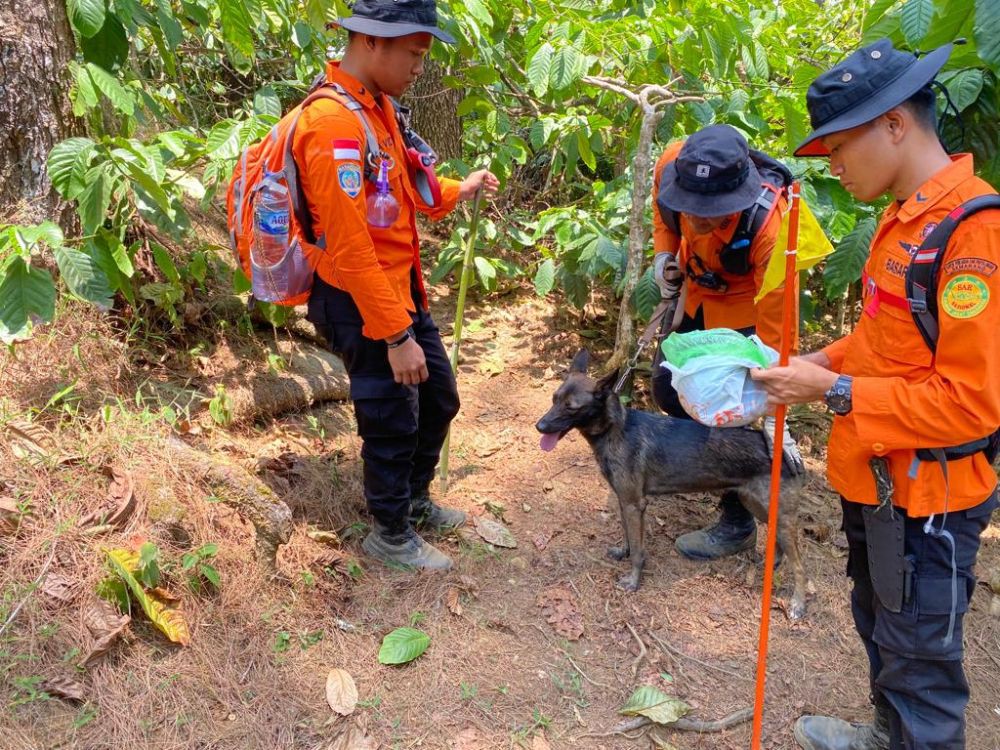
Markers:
121,500
559,607
164,596
542,540
468,739
64,687
494,532
10,516
454,605
341,692
538,742
324,537
59,587
105,624
352,738
28,440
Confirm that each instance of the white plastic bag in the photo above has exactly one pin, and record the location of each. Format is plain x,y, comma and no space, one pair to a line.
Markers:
711,373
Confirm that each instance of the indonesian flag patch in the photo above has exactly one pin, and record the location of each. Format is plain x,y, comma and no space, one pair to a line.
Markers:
346,149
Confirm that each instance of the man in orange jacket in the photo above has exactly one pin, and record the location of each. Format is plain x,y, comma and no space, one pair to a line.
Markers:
917,417
368,299
717,213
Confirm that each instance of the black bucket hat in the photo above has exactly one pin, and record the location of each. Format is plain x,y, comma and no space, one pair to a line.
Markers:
713,175
392,18
869,83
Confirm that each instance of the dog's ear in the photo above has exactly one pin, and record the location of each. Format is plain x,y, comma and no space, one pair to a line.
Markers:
607,383
580,361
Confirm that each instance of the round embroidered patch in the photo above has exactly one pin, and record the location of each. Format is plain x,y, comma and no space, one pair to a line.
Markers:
349,177
965,296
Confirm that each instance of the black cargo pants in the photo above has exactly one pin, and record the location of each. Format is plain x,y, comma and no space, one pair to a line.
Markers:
911,668
402,427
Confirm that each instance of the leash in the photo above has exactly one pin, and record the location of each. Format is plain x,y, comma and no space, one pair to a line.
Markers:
779,426
648,335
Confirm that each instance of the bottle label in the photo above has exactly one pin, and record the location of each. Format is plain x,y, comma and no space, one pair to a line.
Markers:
272,222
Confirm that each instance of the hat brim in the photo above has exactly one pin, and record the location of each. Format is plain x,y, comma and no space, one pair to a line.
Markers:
677,198
914,79
391,30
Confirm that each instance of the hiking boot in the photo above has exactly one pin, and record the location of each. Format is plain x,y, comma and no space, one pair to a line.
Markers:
404,549
426,514
723,539
829,733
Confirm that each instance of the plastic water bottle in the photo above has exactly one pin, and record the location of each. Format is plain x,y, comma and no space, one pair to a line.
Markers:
270,273
383,209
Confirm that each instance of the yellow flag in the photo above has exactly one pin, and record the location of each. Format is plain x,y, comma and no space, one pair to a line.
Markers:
813,247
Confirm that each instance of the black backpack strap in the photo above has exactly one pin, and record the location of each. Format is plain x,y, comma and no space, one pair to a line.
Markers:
925,267
735,256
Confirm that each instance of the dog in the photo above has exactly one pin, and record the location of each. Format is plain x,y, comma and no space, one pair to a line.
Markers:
643,454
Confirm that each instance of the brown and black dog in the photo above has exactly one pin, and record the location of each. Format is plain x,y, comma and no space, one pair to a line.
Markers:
643,454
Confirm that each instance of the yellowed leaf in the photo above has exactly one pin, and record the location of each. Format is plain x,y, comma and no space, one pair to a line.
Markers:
170,622
341,692
324,537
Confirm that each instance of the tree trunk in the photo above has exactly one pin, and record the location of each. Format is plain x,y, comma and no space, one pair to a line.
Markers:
36,43
642,168
435,111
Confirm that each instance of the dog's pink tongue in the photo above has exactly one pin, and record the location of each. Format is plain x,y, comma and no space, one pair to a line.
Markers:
548,441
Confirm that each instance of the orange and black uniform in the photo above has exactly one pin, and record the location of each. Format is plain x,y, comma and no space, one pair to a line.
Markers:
369,287
732,307
906,397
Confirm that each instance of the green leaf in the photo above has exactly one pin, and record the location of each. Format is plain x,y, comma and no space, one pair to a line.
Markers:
301,34
545,277
92,204
875,13
109,47
87,16
646,296
586,153
236,33
84,277
27,298
986,32
539,69
403,645
965,86
486,272
83,93
266,102
915,20
223,140
480,12
125,564
565,68
108,85
165,263
844,266
67,163
655,705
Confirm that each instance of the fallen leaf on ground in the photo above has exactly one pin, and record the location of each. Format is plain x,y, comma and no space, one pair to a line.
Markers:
494,532
169,621
352,738
542,540
324,537
468,739
105,624
559,607
10,516
59,587
454,605
64,687
341,692
28,440
538,742
655,705
121,500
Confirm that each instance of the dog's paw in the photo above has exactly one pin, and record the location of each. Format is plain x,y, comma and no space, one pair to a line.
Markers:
796,610
629,582
618,553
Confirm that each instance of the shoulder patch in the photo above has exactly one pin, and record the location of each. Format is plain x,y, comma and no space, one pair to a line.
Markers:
976,265
349,178
346,149
965,296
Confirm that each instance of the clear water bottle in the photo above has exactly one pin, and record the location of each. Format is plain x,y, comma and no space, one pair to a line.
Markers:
270,246
383,209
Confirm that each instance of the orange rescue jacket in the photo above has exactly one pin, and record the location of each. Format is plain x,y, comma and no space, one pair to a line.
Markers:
904,396
735,307
372,264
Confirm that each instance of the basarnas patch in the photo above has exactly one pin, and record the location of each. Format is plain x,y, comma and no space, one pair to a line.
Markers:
965,296
975,265
349,177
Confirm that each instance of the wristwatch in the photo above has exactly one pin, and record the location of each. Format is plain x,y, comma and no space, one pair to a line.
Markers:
838,398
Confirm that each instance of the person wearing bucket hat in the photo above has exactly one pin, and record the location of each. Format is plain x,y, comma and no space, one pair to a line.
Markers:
362,189
920,370
718,207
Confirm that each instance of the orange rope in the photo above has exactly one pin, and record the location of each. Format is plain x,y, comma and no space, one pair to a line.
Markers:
779,427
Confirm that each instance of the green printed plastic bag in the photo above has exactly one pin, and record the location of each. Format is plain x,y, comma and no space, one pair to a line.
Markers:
711,373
